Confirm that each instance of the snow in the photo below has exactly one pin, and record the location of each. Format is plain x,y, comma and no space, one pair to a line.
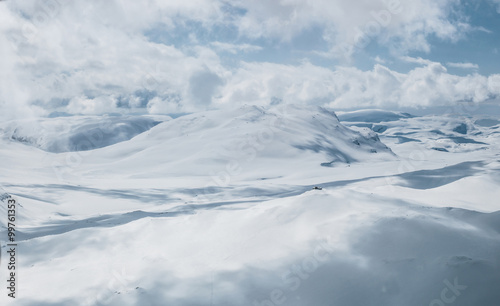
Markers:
372,115
78,133
218,208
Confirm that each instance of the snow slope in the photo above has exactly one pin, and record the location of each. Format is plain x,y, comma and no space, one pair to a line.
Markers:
270,140
217,208
63,134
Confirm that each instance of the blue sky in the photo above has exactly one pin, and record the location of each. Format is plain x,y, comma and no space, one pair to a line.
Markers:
479,47
94,57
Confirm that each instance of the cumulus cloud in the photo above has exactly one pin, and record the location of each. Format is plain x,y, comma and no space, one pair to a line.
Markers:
96,106
349,26
163,106
52,59
93,56
463,65
13,92
349,87
105,53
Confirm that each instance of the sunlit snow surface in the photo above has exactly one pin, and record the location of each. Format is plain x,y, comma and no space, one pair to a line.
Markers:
217,208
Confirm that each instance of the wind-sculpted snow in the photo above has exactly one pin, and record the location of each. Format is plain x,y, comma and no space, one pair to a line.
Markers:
440,133
261,207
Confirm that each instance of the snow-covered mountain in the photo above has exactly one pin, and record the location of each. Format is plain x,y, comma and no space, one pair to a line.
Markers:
218,208
77,133
270,140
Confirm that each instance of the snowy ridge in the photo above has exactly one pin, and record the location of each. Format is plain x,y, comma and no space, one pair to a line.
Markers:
268,139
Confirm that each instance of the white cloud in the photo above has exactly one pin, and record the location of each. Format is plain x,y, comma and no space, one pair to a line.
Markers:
163,106
96,106
483,29
347,87
14,95
234,48
346,25
497,2
379,60
93,56
351,25
463,65
416,60
94,49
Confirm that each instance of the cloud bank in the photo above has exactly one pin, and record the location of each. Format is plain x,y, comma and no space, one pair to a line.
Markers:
94,57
